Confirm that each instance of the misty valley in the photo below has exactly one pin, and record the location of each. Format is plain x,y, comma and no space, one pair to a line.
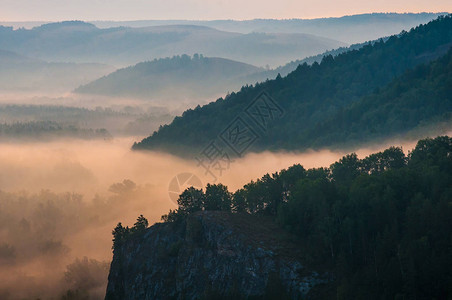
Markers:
226,159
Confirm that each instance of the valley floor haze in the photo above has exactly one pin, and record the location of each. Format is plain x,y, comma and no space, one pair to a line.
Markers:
68,195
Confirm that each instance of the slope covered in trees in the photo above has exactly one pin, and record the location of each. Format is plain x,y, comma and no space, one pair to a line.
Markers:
289,67
313,94
419,97
176,78
381,225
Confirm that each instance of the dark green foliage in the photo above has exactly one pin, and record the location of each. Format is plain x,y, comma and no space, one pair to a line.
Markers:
346,169
354,96
392,158
140,225
217,197
239,201
191,200
172,216
263,195
121,234
383,224
416,98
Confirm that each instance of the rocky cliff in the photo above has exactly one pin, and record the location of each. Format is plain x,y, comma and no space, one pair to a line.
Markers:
212,255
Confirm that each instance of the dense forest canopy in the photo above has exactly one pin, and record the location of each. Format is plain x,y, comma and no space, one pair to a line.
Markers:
418,97
312,95
381,224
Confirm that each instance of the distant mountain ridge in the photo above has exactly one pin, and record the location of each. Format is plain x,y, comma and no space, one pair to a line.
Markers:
175,78
313,94
105,86
76,41
350,29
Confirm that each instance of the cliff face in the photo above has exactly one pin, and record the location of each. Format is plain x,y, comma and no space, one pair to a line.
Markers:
211,255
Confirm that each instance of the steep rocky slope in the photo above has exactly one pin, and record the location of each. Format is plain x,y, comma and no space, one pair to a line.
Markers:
212,255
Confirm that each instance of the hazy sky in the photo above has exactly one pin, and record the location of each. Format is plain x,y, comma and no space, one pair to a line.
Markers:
54,10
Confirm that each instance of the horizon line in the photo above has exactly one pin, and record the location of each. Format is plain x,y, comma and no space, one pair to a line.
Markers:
237,20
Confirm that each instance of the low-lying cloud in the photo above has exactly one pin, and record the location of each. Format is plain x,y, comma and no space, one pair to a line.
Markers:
60,200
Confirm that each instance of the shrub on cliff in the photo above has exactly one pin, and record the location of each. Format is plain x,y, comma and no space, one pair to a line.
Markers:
122,234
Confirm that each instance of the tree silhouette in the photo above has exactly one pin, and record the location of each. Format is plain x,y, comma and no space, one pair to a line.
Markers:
217,197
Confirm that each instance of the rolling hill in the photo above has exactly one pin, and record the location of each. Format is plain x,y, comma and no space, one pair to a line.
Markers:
175,78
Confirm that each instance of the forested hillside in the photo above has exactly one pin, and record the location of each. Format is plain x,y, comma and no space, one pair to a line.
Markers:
419,97
311,95
381,225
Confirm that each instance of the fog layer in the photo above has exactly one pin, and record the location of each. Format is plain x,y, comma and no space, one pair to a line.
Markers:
59,202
